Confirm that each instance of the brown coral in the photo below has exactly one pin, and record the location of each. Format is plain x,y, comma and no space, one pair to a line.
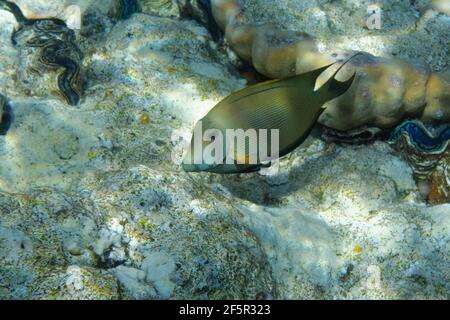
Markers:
385,91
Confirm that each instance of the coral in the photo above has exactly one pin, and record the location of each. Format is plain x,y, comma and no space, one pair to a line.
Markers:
385,90
67,10
83,283
56,153
123,9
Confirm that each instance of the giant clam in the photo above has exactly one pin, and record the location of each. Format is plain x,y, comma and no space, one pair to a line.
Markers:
427,150
50,50
355,136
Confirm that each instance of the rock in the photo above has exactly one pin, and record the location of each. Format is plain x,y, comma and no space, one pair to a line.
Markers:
179,254
299,245
64,10
159,267
33,257
9,58
46,145
134,284
90,284
346,234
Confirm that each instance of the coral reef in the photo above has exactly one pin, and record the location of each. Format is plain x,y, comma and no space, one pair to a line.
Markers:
94,206
385,91
64,9
344,218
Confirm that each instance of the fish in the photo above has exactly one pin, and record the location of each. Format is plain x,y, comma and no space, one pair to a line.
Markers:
288,107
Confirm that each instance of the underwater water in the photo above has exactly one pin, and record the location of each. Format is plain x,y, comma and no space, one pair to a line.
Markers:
99,104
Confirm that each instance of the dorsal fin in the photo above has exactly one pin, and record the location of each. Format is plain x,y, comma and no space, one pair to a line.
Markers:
334,88
309,77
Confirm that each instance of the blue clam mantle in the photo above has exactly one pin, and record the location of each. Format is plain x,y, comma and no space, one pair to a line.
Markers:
424,139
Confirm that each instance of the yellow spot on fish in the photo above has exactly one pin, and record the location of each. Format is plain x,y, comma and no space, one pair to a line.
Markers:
357,249
242,158
144,119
